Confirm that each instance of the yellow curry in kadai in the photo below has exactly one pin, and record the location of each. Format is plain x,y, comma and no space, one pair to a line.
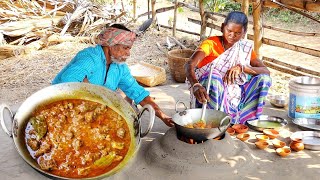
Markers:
77,138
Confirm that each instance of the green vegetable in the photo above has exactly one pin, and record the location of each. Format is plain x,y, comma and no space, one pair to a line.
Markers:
267,124
40,126
105,160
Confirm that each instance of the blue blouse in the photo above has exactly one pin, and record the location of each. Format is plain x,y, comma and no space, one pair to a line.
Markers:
91,63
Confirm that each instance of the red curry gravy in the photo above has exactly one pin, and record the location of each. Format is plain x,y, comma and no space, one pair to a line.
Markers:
77,138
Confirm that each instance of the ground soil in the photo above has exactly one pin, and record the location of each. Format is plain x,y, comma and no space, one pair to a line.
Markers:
23,75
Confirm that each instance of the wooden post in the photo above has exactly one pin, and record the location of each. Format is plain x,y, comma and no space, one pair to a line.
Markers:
203,20
153,3
134,3
245,6
148,9
245,9
174,27
257,26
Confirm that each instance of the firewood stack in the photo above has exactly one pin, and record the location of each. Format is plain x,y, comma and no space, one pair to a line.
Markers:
26,26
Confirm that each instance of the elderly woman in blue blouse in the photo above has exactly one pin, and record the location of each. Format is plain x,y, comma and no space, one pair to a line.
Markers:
105,65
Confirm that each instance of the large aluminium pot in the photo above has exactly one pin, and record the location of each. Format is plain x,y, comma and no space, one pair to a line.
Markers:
83,91
219,120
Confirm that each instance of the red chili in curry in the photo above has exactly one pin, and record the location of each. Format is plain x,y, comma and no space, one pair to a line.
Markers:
77,138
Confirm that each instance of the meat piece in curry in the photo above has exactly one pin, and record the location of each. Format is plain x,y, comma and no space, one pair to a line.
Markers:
77,138
199,125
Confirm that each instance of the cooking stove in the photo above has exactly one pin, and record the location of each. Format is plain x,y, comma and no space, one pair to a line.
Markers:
211,158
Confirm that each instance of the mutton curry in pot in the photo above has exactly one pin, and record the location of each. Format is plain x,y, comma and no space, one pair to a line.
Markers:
77,138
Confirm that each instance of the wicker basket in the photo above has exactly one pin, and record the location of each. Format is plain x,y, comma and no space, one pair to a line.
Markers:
177,58
148,74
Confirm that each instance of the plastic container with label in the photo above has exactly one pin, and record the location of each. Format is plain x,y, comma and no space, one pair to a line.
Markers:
304,99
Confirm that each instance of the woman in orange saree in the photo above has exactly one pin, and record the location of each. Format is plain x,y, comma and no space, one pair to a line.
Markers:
240,81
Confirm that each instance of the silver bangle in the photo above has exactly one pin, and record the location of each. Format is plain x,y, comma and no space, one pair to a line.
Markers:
241,67
196,86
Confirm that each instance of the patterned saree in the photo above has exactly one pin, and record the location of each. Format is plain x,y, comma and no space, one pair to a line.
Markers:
242,100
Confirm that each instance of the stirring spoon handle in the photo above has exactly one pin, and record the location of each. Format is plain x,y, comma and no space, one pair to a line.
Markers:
204,106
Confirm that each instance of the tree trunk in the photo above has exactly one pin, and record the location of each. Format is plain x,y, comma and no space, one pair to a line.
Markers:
245,6
245,9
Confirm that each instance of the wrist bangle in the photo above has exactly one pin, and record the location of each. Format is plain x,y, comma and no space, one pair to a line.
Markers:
195,87
241,67
196,84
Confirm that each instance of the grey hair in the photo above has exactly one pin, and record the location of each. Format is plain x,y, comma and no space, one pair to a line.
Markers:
238,18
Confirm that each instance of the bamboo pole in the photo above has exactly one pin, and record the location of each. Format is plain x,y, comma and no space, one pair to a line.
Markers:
257,26
284,69
290,32
175,18
210,16
181,30
278,29
148,13
203,20
292,47
308,5
160,10
293,67
270,42
134,4
153,3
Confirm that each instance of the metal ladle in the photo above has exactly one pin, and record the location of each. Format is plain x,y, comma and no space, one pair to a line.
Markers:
204,106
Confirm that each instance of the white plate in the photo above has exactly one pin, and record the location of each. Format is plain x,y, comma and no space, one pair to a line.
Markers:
310,139
307,123
267,122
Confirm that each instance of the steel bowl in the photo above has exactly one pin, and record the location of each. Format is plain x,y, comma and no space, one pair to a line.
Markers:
219,120
278,101
306,80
